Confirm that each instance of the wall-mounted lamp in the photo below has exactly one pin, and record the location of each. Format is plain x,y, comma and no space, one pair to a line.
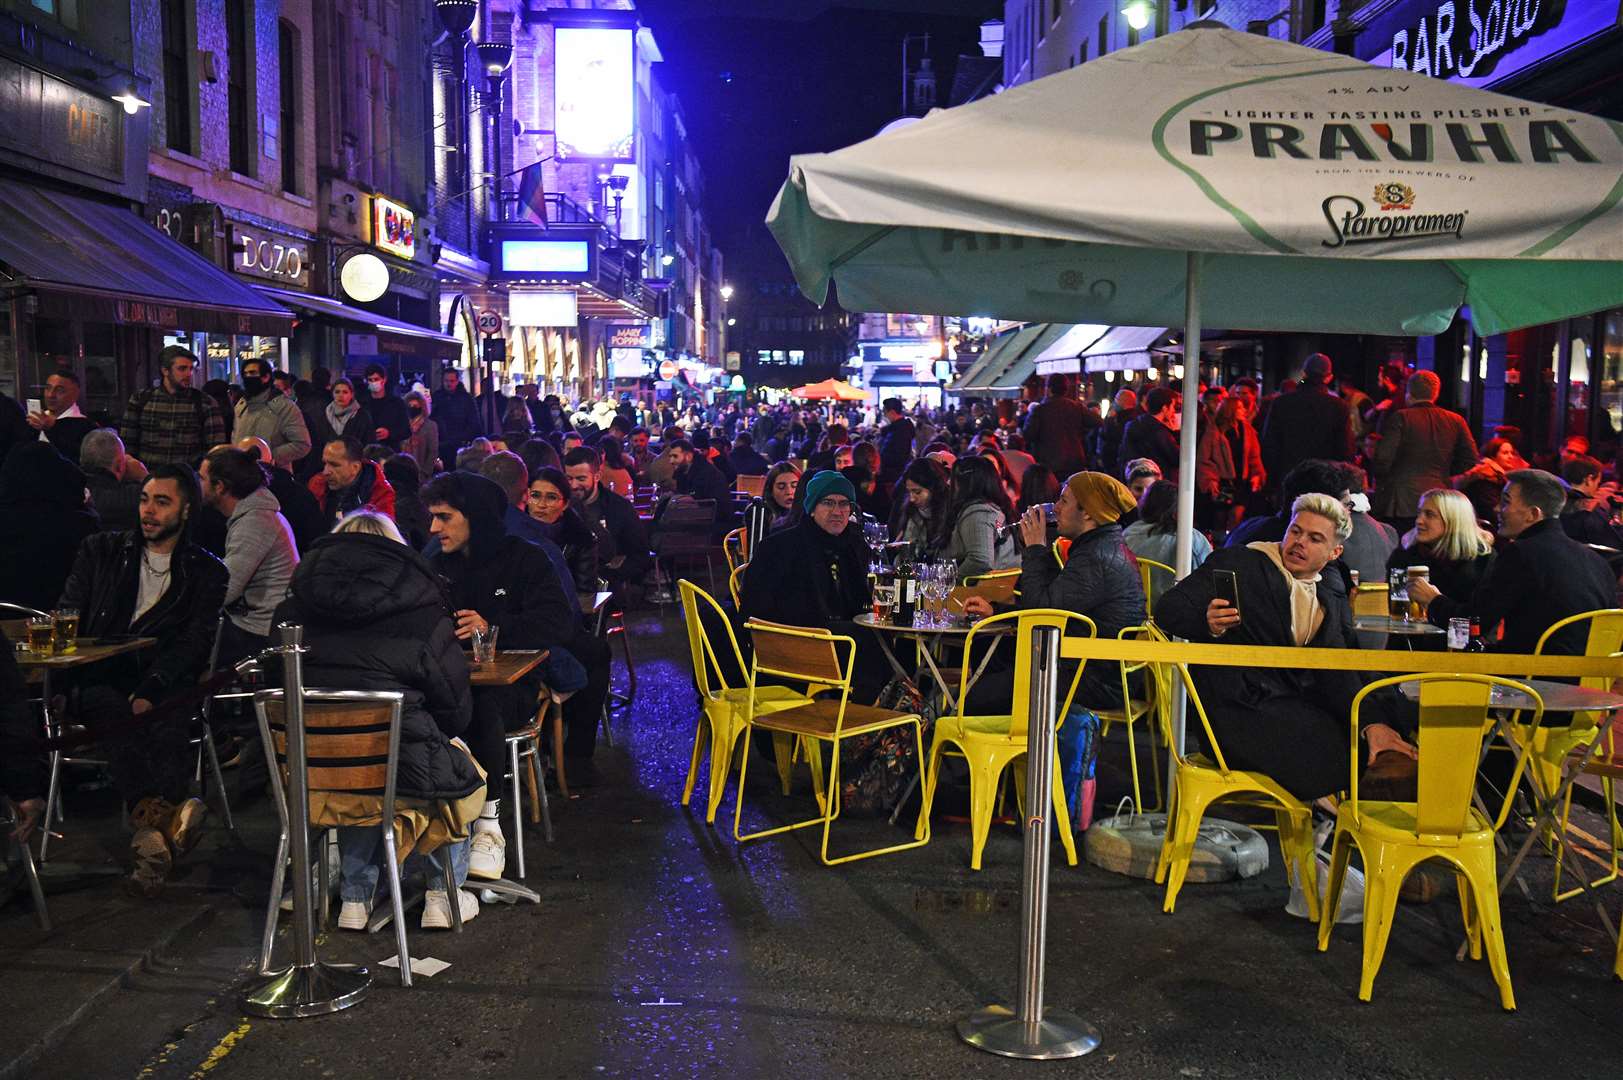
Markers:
132,102
1139,13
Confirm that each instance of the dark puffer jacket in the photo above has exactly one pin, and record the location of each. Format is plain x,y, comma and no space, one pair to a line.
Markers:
1100,580
42,520
376,618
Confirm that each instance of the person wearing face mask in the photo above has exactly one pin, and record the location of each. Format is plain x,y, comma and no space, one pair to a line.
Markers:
266,413
391,421
423,444
1154,435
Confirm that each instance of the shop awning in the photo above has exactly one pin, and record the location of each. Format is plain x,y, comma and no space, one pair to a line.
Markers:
394,336
1009,339
95,262
1003,379
1124,348
900,376
1067,347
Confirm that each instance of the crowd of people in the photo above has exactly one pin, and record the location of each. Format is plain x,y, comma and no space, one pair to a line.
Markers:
397,528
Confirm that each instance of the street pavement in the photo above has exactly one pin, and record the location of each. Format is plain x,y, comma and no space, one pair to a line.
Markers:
662,949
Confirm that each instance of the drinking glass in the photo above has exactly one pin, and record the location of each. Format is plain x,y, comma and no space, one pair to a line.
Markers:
64,630
484,645
39,635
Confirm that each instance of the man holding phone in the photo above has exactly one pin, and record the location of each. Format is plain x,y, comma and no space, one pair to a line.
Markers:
1286,723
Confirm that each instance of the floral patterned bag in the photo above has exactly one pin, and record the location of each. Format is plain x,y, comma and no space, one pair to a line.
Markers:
881,762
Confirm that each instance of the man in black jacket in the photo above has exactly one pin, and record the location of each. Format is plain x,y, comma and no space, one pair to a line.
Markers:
455,414
152,583
113,479
1056,429
1287,723
1538,579
1308,422
498,580
895,443
623,555
1108,435
388,412
695,476
1154,434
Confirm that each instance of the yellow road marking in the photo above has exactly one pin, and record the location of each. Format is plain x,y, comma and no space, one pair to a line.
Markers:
221,1049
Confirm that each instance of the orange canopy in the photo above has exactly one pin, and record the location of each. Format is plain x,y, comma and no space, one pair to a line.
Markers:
829,390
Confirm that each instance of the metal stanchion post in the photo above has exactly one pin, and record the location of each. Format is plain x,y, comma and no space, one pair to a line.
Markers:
307,987
1028,1030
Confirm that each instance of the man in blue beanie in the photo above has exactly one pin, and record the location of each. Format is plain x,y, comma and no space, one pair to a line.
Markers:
816,573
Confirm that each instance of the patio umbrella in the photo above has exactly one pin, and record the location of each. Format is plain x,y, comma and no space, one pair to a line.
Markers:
1263,184
829,390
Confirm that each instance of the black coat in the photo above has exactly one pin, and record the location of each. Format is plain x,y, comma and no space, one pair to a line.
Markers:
24,773
1147,437
67,434
805,577
1451,578
299,507
457,417
1309,422
1100,580
1055,435
895,449
376,618
117,502
360,427
1538,579
103,586
703,480
620,532
42,521
14,429
1232,694
388,412
1107,441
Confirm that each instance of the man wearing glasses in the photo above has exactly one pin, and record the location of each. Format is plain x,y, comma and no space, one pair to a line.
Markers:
816,573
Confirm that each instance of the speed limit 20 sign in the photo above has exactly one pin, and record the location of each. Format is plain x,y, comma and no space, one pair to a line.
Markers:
488,322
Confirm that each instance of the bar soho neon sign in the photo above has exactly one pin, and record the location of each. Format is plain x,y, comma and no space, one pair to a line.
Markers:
1473,39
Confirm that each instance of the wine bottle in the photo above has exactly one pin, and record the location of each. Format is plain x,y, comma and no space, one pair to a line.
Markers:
1476,644
907,591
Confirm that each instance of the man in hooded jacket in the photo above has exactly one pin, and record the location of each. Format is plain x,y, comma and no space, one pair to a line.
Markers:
497,579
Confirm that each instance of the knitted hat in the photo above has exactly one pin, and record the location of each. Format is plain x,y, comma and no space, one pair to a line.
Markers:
825,483
1103,496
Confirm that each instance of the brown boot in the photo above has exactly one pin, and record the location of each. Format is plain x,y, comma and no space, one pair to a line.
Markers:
153,861
185,825
151,813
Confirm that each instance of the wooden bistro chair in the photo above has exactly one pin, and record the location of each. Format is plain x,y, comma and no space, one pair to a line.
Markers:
1394,837
814,656
752,486
352,746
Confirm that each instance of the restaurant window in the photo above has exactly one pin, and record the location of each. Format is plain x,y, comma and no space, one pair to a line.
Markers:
1608,361
100,390
287,51
177,82
1104,34
238,119
65,12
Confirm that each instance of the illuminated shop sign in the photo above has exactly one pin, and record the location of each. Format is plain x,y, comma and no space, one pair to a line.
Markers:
546,256
394,228
261,254
595,92
1481,42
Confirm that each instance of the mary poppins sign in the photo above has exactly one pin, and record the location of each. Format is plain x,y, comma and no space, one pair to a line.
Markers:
1481,42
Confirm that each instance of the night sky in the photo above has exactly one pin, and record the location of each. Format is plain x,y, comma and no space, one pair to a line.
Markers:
760,80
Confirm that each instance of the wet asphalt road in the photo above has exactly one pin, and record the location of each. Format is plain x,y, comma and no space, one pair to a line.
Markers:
661,949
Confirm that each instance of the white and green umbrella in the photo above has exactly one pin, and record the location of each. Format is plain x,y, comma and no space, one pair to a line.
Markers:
1264,185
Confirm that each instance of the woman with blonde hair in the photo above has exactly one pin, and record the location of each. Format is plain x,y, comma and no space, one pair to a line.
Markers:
1448,542
370,523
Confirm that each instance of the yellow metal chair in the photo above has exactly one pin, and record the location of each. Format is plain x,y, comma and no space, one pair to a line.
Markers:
735,585
991,743
1156,578
1394,837
732,545
813,656
1555,749
724,706
1369,599
1131,712
1199,781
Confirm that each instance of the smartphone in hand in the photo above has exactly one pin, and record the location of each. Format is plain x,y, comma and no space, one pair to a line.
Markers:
1228,587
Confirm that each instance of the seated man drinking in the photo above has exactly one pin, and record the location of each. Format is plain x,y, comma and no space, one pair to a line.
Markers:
1099,580
1288,724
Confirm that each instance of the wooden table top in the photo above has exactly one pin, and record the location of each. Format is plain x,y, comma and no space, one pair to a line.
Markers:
86,651
509,667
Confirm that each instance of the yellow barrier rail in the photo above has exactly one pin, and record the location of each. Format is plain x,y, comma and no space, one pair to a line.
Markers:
1511,664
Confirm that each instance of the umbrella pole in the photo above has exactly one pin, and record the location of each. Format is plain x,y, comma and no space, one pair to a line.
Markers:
1187,445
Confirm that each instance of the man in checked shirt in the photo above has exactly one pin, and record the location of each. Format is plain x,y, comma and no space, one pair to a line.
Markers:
172,423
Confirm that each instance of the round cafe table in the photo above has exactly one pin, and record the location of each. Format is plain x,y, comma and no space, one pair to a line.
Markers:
931,637
1385,624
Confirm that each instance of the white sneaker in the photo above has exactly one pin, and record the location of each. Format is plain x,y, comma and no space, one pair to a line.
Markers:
487,856
354,915
437,909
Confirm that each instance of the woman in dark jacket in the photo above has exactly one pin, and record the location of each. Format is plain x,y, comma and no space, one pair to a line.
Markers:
375,617
919,514
42,519
549,505
1446,539
343,415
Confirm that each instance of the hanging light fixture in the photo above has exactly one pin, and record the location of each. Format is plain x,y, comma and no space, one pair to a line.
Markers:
1139,13
132,102
495,56
456,16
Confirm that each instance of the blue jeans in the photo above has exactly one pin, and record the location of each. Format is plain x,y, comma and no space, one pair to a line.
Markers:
360,863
